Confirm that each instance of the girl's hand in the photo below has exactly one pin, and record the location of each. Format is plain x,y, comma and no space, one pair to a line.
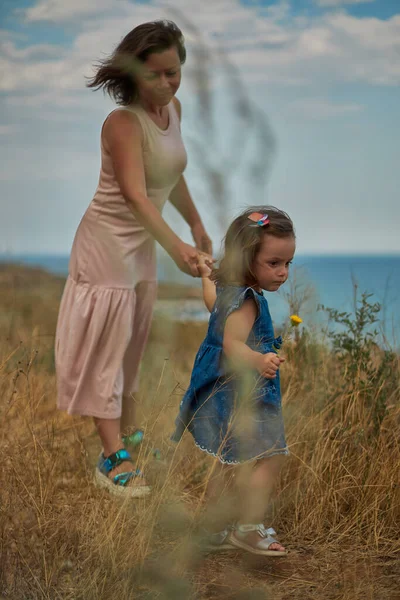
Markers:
201,239
204,265
209,290
268,364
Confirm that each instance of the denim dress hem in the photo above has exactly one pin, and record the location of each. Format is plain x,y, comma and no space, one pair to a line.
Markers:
231,421
267,454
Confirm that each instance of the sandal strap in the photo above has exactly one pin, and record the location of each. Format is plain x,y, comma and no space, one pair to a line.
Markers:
114,460
246,527
265,534
134,439
123,479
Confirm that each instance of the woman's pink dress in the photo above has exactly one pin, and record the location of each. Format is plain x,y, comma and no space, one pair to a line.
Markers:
107,304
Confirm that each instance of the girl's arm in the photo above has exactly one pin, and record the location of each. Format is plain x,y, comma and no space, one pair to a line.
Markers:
237,330
123,137
209,290
182,200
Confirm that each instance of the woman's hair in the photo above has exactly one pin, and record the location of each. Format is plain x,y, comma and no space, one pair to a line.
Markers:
243,242
116,74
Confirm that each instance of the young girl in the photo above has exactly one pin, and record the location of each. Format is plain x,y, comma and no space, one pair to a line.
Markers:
233,405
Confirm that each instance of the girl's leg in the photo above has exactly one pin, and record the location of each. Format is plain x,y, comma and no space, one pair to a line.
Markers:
109,431
221,505
256,486
146,293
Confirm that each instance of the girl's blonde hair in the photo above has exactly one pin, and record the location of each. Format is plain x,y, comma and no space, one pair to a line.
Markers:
243,241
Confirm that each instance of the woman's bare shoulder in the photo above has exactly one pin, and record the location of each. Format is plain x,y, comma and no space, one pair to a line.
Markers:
121,123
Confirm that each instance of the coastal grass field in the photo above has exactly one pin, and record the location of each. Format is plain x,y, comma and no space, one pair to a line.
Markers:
338,503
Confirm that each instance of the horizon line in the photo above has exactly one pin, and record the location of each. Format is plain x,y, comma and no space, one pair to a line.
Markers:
326,253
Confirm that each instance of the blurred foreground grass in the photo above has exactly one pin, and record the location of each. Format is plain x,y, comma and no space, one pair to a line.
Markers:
338,507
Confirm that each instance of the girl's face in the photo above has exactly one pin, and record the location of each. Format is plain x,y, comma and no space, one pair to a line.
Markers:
272,262
160,77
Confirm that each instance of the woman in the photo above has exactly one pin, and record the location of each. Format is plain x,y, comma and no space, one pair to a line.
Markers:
106,309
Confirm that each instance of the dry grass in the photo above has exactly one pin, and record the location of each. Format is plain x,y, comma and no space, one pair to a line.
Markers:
338,508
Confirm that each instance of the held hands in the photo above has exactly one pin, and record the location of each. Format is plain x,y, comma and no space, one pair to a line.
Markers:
268,364
204,246
194,261
204,265
187,259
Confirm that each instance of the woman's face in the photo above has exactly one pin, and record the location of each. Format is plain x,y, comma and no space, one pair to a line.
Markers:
160,77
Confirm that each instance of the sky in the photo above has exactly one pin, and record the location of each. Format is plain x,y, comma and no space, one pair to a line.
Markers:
292,103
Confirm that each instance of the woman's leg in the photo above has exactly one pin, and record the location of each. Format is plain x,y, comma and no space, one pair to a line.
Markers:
256,486
146,293
129,418
109,431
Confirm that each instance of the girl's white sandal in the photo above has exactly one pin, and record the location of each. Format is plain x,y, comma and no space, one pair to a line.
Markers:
262,548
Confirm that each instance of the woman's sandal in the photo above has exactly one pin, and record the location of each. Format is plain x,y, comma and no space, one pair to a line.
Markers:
134,439
120,484
262,547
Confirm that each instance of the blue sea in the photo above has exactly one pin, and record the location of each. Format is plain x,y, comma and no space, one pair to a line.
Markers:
327,280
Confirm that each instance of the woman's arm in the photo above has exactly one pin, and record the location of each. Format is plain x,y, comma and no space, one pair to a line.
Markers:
122,136
182,200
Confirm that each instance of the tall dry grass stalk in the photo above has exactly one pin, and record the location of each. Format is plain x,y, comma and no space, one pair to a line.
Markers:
338,506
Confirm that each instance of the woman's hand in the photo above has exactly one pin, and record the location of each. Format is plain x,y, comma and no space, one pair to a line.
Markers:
186,257
268,364
201,239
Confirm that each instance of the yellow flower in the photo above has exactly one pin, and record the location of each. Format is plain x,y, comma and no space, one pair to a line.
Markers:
295,320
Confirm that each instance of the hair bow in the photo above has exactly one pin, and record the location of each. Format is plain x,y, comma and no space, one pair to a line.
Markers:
259,219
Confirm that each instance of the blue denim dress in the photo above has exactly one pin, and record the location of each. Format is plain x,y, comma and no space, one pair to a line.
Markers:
233,417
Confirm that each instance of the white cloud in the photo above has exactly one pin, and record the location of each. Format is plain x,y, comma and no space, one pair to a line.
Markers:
330,3
43,163
39,51
320,108
79,100
9,129
270,49
370,33
60,11
49,74
278,11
